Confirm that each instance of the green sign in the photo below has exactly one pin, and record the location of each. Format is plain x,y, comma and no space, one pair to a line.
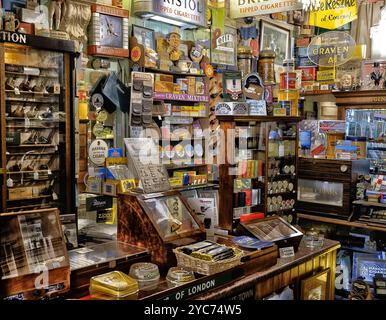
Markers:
199,287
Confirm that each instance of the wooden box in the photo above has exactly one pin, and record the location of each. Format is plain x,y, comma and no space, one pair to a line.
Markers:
327,187
158,222
33,256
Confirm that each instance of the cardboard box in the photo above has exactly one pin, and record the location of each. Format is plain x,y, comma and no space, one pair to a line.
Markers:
20,193
163,86
302,42
308,73
325,75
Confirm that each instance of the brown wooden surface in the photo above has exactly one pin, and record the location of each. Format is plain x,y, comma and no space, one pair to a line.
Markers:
69,163
286,271
258,261
3,147
136,228
226,181
351,224
328,170
248,118
365,99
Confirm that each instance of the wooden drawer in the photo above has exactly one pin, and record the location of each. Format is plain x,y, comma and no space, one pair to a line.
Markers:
321,169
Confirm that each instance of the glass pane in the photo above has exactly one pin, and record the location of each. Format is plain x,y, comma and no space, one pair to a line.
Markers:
31,243
36,123
170,215
323,192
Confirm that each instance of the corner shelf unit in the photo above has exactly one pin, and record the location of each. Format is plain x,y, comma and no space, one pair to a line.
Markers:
280,200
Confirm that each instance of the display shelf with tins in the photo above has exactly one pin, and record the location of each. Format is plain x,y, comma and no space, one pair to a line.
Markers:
254,181
37,145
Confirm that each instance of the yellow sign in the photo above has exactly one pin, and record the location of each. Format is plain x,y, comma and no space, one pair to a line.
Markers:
333,14
325,75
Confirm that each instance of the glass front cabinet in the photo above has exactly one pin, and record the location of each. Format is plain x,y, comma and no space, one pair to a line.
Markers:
36,125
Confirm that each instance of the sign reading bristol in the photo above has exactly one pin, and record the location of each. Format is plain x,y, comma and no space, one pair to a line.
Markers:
331,49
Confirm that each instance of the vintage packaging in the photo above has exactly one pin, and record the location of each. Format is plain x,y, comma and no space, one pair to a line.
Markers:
308,73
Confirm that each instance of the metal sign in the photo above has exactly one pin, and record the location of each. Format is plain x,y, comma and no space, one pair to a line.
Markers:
331,49
249,8
189,11
333,14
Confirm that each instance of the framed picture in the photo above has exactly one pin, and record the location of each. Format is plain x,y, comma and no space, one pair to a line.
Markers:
109,32
316,287
144,36
296,17
373,73
273,37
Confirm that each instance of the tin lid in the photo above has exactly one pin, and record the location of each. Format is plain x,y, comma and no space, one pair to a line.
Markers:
178,275
267,54
144,271
244,50
114,283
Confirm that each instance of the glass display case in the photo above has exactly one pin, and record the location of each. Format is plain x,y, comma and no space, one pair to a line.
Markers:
324,192
274,229
30,243
159,222
36,147
170,216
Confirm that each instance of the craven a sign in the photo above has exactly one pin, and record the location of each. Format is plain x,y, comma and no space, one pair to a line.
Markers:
249,8
332,14
331,49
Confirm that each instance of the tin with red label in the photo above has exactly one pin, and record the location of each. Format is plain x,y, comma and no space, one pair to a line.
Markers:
288,81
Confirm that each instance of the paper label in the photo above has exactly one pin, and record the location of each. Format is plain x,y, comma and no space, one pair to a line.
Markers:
286,252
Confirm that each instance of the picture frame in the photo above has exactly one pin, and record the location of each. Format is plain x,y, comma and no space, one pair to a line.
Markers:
276,38
367,80
316,287
109,32
145,36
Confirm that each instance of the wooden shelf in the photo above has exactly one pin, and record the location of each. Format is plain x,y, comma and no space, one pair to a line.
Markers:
37,67
197,186
174,72
369,204
31,75
352,224
29,172
248,118
32,145
32,119
31,198
183,166
46,94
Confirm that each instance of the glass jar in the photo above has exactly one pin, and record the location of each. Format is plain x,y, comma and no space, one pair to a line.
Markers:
244,60
267,66
313,239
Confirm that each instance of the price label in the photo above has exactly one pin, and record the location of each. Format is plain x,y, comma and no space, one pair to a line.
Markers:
287,252
36,175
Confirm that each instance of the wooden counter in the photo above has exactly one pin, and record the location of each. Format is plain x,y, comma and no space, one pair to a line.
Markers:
244,278
285,272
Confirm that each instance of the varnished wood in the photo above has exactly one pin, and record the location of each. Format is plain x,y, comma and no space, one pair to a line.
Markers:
3,147
351,224
275,278
364,99
69,148
226,180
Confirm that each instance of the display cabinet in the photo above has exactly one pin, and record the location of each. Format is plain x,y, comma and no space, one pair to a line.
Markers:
33,255
259,168
328,187
158,222
36,125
